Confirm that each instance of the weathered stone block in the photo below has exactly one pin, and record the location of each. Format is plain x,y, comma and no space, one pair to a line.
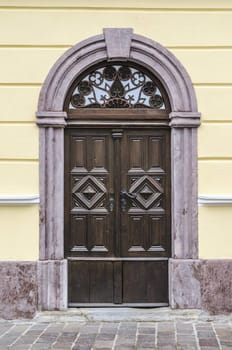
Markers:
18,289
52,281
185,283
216,286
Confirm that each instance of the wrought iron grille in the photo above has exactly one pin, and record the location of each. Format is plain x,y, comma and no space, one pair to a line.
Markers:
116,86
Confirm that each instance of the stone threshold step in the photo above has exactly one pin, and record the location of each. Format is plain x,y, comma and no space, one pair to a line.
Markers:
128,315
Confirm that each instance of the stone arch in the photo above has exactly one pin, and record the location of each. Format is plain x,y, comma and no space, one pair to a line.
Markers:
161,62
117,44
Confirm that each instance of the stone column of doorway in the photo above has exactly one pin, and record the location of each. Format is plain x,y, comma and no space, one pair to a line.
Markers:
52,267
184,267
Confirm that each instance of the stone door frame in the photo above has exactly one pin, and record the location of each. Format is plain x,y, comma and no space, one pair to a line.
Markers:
121,45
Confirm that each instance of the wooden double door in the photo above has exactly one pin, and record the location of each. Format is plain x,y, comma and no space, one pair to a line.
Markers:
117,215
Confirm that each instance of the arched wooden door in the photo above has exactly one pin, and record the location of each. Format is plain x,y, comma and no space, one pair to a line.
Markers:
117,188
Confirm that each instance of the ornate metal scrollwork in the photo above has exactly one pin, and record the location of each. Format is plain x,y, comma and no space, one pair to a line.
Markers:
116,86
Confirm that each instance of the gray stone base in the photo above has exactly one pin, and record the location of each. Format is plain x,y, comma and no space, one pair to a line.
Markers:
193,284
185,283
18,289
201,284
52,285
216,286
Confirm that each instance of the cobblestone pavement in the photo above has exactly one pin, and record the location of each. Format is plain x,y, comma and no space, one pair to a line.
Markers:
177,334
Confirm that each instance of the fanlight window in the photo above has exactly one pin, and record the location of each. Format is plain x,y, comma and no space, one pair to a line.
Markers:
116,86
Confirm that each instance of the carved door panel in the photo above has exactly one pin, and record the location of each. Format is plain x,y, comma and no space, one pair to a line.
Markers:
117,216
145,178
145,215
90,184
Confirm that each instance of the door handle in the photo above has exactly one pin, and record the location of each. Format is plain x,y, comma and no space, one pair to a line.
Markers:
129,195
111,202
124,197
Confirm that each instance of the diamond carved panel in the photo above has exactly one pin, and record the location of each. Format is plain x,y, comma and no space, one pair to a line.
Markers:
88,191
147,190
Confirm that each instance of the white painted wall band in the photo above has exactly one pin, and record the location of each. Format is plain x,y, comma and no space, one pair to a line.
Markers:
206,200
22,199
215,199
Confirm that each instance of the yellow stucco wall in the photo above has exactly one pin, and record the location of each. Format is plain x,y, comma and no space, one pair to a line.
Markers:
34,33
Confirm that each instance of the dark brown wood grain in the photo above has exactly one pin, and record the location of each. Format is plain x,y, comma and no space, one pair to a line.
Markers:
146,172
145,282
122,113
104,242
